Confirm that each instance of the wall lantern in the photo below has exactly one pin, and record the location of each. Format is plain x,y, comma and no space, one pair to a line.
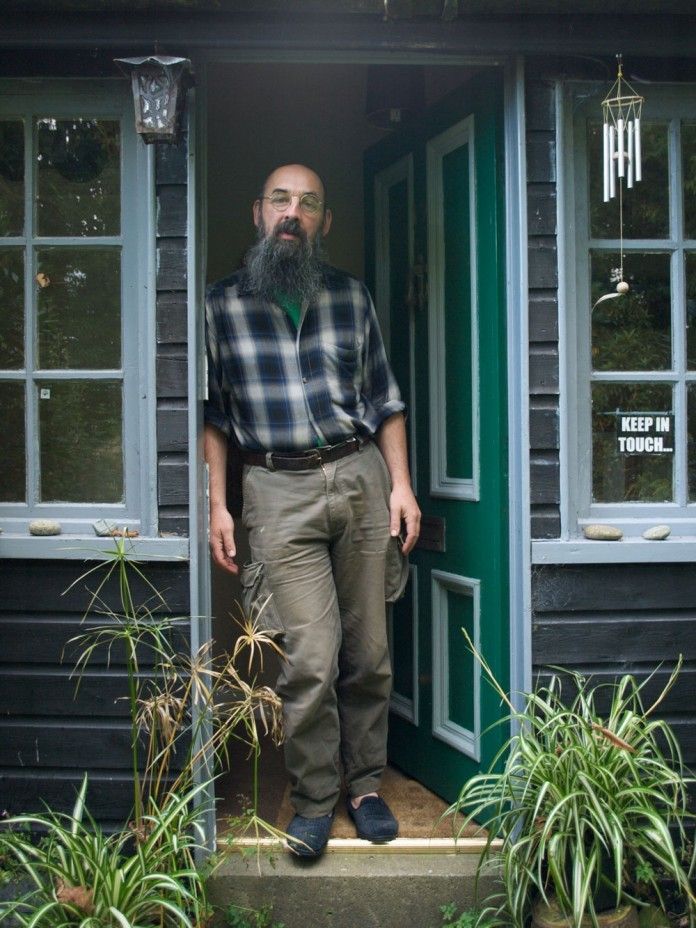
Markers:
159,85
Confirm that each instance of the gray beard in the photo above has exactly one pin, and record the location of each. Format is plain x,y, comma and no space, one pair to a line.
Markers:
275,266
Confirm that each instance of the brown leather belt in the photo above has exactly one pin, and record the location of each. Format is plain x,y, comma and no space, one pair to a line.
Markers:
302,460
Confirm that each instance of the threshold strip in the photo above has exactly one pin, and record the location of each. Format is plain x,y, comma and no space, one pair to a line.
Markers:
397,846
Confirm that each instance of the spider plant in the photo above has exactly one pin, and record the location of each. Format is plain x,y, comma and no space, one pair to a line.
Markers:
184,713
583,801
81,876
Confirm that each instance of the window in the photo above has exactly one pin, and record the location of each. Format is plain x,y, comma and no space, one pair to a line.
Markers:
631,398
72,303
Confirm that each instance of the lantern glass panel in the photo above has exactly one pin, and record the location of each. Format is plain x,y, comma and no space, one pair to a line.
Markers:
11,177
79,308
646,207
78,177
620,477
632,332
81,441
13,483
11,308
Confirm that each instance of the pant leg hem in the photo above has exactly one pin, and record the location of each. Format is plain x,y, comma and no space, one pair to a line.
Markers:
364,786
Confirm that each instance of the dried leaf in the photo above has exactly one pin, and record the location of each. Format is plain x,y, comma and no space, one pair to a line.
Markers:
79,896
610,736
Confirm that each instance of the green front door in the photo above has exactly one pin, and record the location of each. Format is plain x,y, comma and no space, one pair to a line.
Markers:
435,206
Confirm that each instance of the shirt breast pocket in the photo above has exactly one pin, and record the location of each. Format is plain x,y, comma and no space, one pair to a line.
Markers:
341,365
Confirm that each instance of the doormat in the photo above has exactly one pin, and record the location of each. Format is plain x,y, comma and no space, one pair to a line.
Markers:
417,809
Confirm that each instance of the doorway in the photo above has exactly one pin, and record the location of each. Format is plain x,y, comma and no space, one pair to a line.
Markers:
437,274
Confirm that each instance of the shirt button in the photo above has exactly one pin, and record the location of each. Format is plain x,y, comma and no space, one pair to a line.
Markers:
304,380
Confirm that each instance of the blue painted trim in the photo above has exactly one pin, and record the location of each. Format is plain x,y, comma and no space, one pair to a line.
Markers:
518,381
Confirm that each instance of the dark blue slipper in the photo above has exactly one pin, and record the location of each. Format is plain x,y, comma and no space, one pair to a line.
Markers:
307,837
373,820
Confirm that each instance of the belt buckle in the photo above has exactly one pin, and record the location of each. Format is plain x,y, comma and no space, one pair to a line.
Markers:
314,457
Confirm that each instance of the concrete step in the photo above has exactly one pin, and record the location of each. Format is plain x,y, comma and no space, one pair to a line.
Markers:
355,884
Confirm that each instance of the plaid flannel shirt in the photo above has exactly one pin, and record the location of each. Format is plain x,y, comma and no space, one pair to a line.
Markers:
274,388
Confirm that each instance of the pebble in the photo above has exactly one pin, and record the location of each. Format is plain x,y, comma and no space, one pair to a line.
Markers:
601,532
44,527
657,532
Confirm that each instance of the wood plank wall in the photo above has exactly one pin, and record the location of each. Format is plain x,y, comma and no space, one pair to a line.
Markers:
171,167
50,734
543,309
607,620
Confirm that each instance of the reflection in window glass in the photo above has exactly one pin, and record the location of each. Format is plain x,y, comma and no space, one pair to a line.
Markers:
690,262
617,477
691,430
81,441
13,482
79,308
689,181
631,332
78,177
646,215
11,308
11,177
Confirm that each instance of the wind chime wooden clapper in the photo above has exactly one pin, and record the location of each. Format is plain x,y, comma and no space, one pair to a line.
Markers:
621,153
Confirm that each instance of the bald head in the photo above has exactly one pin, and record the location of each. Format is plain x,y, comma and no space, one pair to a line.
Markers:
295,177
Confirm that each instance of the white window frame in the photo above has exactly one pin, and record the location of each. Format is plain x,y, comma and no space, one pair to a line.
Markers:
577,102
107,100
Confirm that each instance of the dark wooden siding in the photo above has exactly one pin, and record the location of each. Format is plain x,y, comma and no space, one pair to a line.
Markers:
543,309
172,372
51,731
607,620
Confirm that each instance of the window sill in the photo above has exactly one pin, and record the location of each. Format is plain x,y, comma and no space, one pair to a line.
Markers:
90,548
673,550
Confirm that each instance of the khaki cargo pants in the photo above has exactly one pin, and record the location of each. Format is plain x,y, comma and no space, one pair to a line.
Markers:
319,539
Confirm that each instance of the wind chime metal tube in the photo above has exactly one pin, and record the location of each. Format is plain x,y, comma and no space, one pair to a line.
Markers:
621,143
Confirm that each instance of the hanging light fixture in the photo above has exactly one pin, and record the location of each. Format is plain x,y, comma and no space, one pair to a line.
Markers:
159,83
394,94
621,143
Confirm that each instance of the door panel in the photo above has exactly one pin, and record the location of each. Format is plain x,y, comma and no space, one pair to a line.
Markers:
435,203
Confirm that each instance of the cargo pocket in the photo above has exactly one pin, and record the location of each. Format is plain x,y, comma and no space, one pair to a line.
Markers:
396,573
259,604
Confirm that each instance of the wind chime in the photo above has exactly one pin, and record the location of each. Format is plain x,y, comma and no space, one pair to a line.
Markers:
621,152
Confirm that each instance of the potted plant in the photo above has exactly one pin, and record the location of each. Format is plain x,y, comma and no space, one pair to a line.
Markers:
591,809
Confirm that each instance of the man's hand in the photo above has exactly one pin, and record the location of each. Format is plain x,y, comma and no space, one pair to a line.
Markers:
222,545
391,441
404,508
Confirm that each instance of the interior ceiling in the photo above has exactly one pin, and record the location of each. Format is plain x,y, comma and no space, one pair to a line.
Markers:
396,9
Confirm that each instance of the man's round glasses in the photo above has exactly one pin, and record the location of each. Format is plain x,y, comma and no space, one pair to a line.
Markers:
280,200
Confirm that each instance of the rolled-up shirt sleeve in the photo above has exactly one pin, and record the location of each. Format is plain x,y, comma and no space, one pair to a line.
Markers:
380,388
215,411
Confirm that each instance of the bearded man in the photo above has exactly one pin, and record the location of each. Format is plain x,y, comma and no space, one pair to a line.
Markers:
300,386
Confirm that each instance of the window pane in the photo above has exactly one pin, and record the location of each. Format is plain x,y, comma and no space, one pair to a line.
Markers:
631,332
78,177
81,441
646,207
626,476
690,264
11,308
79,308
13,479
691,428
11,177
689,170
